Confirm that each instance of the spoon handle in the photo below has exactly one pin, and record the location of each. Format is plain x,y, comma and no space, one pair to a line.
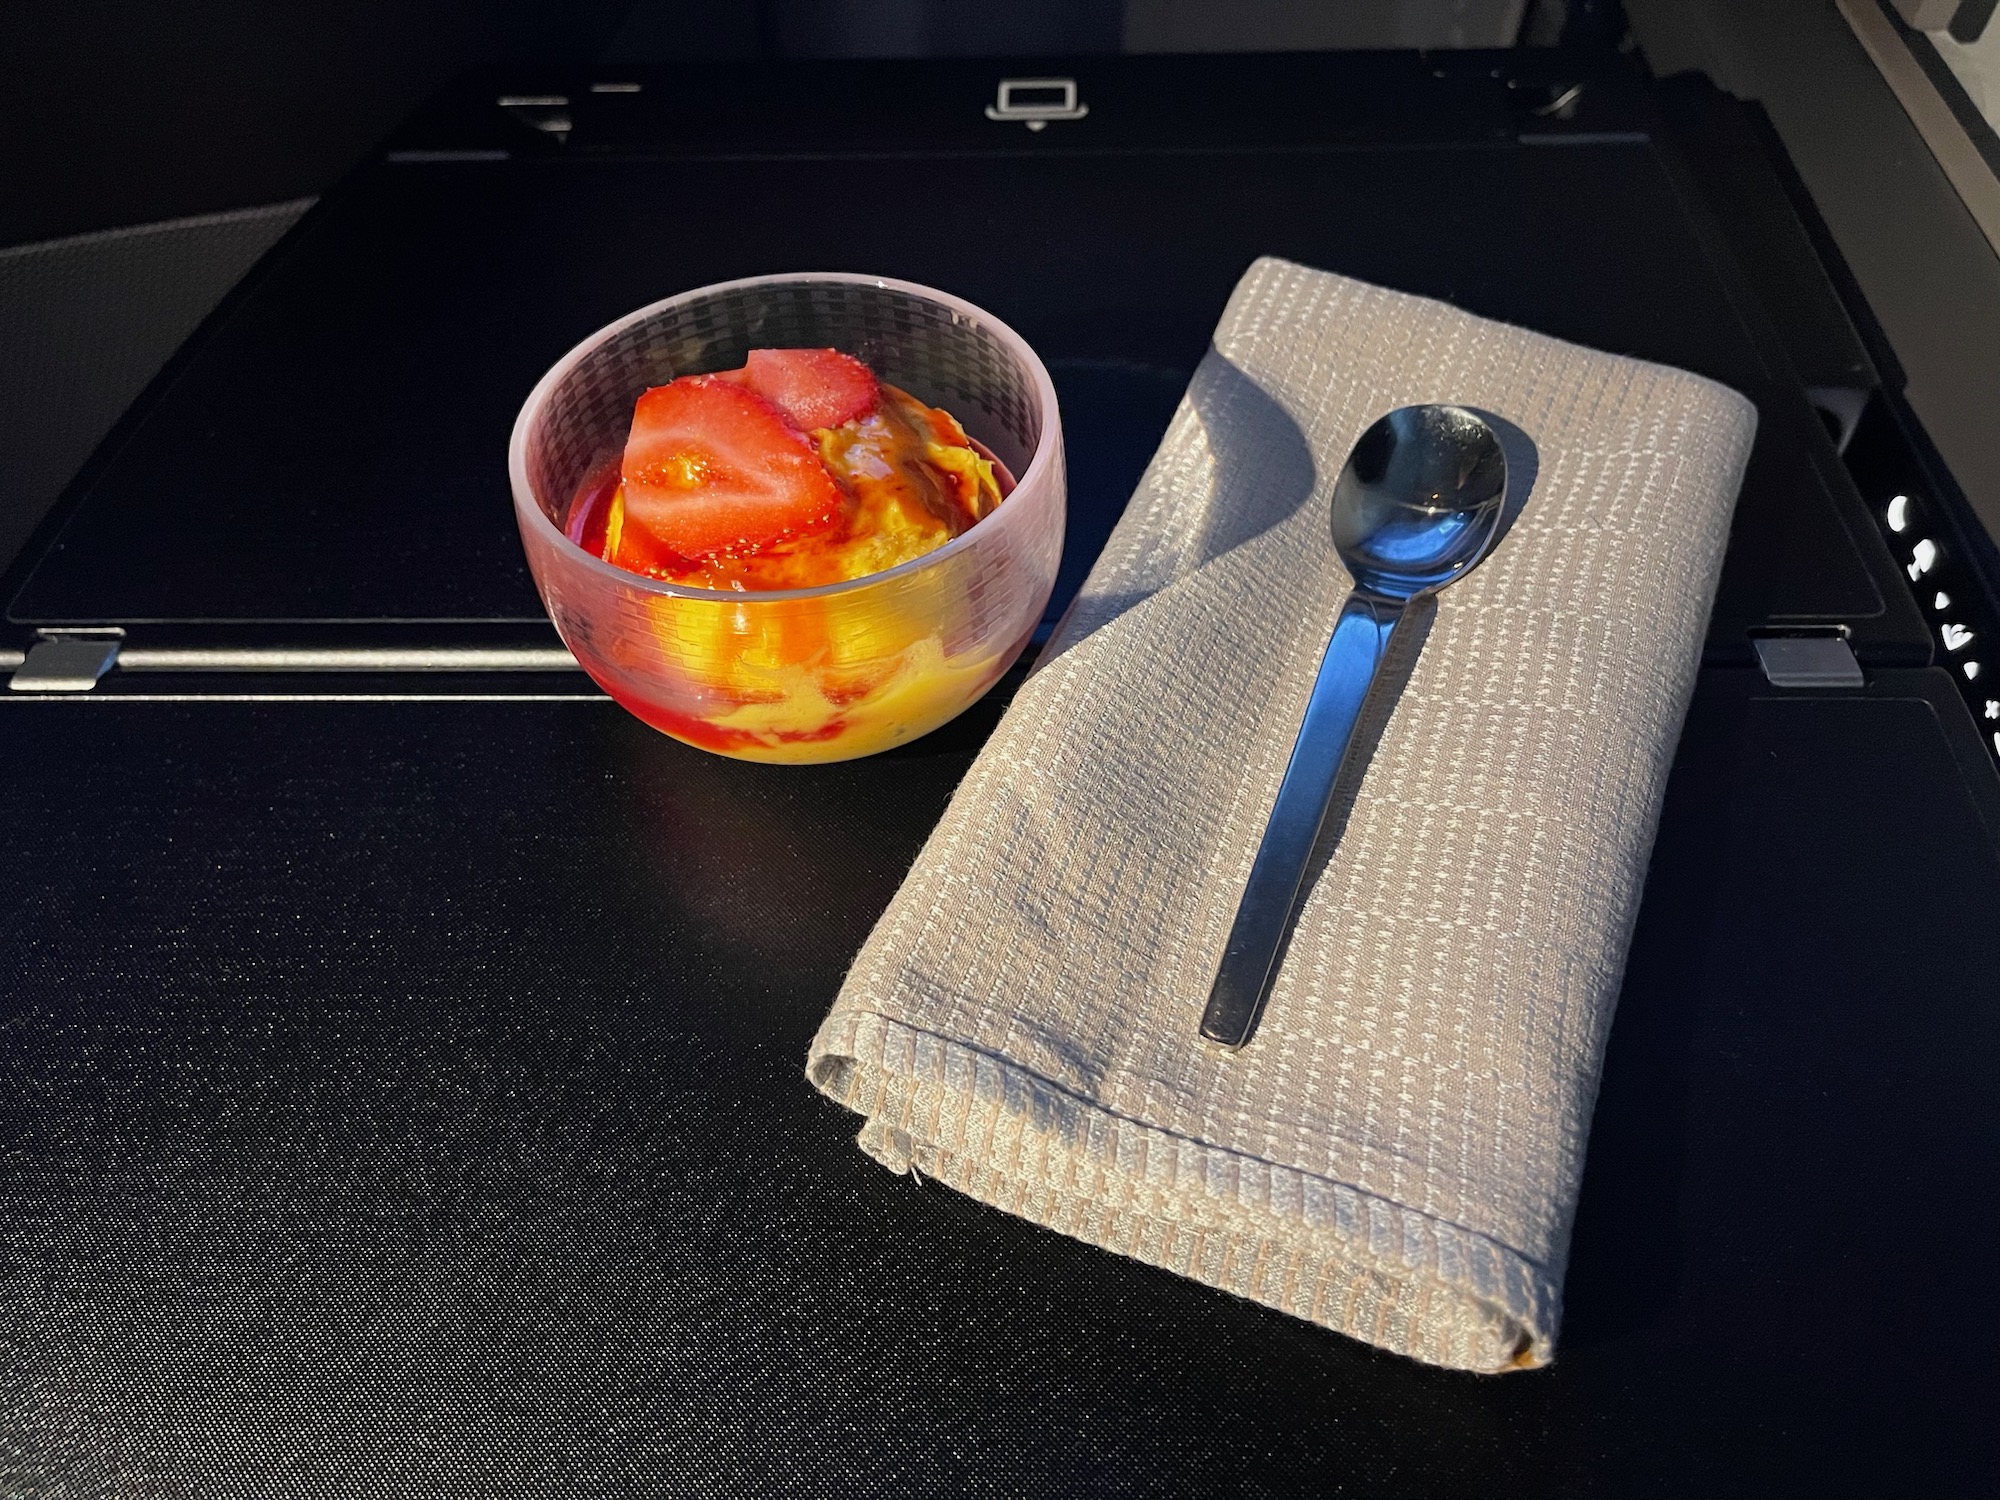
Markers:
1250,960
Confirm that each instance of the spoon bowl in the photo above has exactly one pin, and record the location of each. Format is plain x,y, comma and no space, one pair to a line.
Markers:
1417,502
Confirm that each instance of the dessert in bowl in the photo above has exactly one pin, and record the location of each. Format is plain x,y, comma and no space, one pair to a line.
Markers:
794,518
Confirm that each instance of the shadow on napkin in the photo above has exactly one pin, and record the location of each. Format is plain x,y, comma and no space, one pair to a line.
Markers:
1524,467
1243,429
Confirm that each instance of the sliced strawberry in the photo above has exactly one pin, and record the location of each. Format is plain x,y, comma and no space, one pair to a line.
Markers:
812,387
711,467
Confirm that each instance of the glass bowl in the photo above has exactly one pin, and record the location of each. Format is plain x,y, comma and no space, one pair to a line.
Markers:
797,675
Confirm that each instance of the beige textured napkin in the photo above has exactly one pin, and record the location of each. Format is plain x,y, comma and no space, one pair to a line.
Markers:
1396,1154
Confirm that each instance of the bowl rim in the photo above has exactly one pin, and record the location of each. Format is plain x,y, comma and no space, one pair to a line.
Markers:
530,516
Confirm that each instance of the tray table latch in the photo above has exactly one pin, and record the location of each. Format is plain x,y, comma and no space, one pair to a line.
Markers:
1808,661
66,661
1036,101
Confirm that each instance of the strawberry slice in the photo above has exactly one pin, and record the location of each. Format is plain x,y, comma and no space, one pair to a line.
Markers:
712,467
812,387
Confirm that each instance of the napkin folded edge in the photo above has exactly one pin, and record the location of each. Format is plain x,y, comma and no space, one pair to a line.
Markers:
1366,1263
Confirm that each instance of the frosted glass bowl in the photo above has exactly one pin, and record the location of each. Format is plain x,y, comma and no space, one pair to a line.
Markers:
797,675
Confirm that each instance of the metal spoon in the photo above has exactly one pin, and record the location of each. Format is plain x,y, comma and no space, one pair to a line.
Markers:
1416,507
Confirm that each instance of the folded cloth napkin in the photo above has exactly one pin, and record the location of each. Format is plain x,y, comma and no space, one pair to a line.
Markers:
1396,1153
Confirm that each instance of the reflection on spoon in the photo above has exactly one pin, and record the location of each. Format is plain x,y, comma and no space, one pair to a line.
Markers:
1415,508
